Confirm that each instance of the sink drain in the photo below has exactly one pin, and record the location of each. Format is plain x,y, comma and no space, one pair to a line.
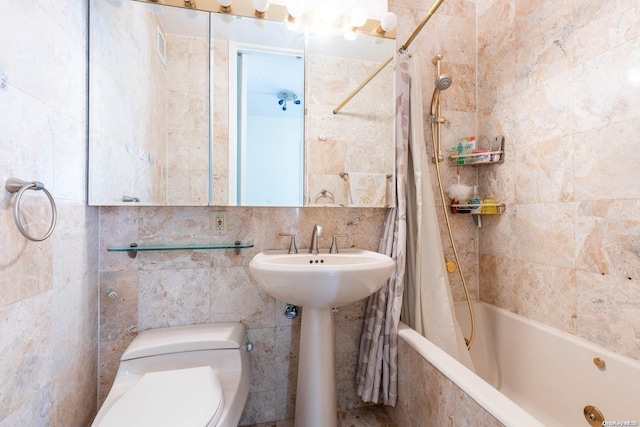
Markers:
593,415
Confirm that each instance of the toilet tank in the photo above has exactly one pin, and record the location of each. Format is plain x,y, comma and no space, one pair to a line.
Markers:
179,339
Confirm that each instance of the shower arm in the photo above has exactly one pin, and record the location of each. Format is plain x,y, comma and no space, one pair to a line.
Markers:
404,47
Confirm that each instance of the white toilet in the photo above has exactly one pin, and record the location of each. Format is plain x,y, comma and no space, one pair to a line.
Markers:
187,376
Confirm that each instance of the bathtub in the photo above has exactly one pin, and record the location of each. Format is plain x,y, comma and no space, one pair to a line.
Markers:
529,374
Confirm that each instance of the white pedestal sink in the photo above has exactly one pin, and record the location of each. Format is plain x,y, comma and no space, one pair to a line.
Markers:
317,283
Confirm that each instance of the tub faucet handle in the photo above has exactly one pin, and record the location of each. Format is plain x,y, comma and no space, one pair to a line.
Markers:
334,243
293,249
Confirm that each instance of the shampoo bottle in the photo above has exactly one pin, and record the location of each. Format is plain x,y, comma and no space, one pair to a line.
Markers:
475,201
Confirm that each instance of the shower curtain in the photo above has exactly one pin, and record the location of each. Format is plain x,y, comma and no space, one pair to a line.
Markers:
377,375
427,302
430,308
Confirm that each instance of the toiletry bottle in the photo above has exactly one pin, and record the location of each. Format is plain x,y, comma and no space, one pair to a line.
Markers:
461,150
472,144
475,201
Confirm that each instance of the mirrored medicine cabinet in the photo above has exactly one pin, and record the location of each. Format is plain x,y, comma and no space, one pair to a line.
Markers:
196,108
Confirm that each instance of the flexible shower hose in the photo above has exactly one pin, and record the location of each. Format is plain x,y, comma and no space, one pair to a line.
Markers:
436,151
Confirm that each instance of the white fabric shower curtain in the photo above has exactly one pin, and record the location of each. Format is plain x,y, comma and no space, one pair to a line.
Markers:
429,302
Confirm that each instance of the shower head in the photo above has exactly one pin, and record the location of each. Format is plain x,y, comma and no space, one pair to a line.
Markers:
443,82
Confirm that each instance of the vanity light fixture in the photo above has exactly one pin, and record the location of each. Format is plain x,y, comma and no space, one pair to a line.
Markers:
261,7
225,6
388,23
295,9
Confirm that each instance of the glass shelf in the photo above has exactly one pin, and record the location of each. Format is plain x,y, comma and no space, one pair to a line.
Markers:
133,249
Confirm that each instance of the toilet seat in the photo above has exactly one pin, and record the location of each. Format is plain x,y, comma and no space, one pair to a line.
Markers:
183,397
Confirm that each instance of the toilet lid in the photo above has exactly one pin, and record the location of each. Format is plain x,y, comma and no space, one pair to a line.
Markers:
184,397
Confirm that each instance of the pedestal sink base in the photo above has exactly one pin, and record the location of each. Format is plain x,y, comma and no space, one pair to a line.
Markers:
317,282
316,393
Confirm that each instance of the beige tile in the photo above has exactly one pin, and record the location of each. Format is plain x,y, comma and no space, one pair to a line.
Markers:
371,416
547,294
607,313
499,283
286,356
603,26
285,403
492,37
74,391
109,357
118,305
263,360
26,363
35,412
260,408
607,145
347,345
546,233
545,172
606,236
595,107
236,297
173,297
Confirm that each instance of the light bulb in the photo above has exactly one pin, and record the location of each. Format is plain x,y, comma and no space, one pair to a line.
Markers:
350,35
295,8
225,5
261,7
388,22
358,17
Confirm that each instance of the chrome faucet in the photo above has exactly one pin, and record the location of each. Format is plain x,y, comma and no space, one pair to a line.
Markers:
317,232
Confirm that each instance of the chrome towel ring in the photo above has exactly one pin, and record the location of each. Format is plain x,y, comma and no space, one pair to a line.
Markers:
14,185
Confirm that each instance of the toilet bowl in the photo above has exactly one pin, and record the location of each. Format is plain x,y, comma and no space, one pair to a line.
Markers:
187,376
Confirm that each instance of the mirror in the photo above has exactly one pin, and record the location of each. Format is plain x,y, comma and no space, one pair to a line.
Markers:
350,156
148,105
258,134
178,96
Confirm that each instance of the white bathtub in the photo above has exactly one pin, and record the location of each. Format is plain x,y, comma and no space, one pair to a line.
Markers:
540,376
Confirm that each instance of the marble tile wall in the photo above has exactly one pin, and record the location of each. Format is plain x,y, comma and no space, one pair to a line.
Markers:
174,288
48,290
560,81
427,398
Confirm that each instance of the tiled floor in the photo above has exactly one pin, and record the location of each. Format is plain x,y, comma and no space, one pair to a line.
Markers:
371,416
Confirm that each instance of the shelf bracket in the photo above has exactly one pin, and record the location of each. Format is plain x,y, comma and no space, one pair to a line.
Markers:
132,254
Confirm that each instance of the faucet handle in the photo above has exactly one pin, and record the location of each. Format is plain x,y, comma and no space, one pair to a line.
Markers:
334,243
293,249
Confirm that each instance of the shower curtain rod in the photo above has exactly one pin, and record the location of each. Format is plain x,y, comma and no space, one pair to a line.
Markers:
405,46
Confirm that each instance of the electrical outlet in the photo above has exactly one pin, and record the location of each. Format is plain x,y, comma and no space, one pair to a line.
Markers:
220,222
